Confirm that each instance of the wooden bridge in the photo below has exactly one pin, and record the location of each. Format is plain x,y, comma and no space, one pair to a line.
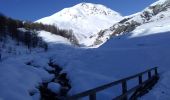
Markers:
127,94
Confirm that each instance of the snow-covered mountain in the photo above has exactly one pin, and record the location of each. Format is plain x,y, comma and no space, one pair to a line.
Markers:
146,44
85,19
153,19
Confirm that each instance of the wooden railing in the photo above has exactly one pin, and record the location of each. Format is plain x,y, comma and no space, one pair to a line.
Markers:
131,94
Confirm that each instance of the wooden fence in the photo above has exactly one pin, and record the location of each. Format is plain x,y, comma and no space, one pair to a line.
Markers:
127,94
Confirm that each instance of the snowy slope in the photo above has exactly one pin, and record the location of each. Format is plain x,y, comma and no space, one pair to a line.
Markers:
85,19
157,11
53,39
49,37
152,28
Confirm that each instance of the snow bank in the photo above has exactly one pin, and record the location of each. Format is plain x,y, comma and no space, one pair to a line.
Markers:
18,80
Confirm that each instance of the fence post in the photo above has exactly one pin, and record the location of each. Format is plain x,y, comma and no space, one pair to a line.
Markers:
92,96
124,89
149,74
156,71
140,79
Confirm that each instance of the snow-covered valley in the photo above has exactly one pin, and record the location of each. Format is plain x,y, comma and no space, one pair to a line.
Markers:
118,58
22,71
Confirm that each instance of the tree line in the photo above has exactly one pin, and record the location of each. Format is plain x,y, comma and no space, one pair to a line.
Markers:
9,27
53,29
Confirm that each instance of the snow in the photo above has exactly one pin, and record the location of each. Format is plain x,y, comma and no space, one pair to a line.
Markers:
147,46
117,59
161,92
125,55
152,28
22,29
162,13
120,57
18,80
54,87
85,19
159,2
52,38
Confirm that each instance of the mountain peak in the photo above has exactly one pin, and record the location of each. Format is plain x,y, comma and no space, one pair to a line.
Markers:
85,19
95,9
86,4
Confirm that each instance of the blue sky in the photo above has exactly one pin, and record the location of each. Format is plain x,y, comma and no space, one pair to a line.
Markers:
32,10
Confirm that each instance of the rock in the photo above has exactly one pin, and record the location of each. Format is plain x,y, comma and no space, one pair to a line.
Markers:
54,87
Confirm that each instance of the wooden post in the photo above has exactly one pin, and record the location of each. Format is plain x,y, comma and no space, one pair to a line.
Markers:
140,79
124,89
92,97
149,74
0,56
156,71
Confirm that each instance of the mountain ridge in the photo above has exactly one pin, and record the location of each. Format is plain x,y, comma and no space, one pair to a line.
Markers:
90,22
155,12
